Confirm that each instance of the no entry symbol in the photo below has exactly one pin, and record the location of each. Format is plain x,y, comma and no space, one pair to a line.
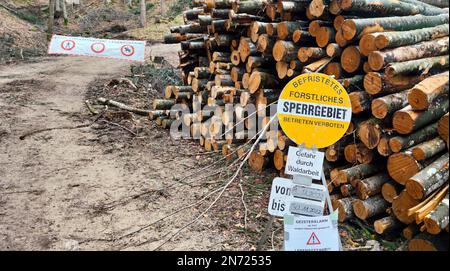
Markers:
98,47
127,50
67,45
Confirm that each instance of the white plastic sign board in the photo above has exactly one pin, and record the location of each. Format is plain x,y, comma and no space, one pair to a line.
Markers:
131,50
282,200
310,234
306,162
314,192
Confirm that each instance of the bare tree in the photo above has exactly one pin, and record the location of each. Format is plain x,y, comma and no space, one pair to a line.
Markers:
64,11
143,13
162,6
51,18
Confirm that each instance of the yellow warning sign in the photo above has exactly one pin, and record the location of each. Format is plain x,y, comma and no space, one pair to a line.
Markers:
314,109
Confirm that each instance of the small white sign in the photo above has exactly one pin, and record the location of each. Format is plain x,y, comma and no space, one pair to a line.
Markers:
286,198
306,162
310,234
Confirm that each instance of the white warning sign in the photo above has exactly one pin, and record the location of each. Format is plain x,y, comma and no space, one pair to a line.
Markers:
289,198
304,162
131,50
310,233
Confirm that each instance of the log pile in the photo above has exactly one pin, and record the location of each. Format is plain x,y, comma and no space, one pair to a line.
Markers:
391,167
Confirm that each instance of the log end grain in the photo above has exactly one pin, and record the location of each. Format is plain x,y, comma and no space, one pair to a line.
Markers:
402,166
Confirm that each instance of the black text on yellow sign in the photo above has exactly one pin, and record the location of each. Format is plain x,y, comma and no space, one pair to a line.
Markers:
314,109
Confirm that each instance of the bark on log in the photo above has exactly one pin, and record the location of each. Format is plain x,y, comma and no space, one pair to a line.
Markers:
424,93
429,148
356,27
437,220
361,101
390,190
371,186
378,83
401,166
387,7
400,206
387,224
428,179
402,38
398,143
437,47
357,172
442,127
428,242
370,207
345,208
423,65
408,120
385,106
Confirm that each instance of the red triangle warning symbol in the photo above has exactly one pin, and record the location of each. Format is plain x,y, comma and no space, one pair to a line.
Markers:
313,240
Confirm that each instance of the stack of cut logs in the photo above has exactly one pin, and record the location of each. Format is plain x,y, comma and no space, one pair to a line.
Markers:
391,167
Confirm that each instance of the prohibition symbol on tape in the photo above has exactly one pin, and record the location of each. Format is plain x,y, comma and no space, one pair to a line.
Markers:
313,240
67,45
314,109
127,50
98,47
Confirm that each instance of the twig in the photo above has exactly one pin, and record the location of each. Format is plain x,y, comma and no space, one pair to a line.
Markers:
124,106
22,137
120,126
243,203
90,108
171,214
265,234
223,189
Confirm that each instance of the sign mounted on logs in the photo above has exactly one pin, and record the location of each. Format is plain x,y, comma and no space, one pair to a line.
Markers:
314,109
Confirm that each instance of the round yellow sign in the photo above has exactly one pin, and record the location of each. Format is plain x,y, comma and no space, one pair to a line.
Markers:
314,109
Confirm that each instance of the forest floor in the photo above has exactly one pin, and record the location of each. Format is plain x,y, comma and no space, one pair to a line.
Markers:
107,185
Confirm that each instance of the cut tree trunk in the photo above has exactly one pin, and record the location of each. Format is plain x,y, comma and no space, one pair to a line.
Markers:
371,186
345,208
429,148
442,127
377,83
402,38
356,27
401,205
402,166
424,93
357,172
428,242
423,65
390,190
351,59
437,220
428,179
387,7
385,106
370,207
408,120
387,224
398,143
437,47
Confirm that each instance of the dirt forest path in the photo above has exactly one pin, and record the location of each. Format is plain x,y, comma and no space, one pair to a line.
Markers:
62,190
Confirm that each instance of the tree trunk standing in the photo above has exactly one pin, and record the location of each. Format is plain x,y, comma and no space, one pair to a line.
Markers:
143,13
51,18
57,6
64,12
